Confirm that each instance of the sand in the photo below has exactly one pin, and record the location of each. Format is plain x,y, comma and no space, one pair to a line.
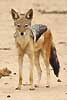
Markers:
8,53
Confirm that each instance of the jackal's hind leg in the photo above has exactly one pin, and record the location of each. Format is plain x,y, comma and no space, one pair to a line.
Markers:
39,71
46,61
47,72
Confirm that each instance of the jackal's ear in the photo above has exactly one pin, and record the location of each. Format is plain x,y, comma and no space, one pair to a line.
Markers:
14,14
29,14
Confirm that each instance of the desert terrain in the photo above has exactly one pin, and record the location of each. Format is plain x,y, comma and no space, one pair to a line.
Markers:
57,23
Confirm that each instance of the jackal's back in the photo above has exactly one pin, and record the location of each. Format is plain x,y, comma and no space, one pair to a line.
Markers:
38,30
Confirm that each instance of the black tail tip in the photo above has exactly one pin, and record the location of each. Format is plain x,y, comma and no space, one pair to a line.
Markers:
56,67
56,71
54,61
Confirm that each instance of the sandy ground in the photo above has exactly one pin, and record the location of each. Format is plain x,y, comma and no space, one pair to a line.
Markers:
8,58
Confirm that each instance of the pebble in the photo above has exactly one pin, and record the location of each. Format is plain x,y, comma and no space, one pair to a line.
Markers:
58,80
8,96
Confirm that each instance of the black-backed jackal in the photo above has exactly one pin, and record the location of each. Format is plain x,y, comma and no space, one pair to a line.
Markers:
34,41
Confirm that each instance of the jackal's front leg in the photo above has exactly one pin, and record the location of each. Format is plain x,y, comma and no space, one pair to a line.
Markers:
31,72
31,57
20,61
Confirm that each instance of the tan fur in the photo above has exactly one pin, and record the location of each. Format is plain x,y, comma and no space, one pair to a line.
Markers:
26,45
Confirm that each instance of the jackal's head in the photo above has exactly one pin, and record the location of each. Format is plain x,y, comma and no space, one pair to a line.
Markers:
22,22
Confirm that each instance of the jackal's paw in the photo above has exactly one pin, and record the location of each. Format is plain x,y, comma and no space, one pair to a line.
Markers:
47,86
32,88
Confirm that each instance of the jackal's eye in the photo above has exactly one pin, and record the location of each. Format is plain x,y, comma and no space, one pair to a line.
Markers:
26,25
18,25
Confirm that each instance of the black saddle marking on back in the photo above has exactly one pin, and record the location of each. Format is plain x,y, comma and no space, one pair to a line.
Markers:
39,29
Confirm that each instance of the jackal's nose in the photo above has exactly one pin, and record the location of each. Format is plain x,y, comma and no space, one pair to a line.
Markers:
22,33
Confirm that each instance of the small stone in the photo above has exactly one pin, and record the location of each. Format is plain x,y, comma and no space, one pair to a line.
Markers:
63,68
10,77
5,83
14,73
47,86
18,88
36,86
59,80
66,93
8,96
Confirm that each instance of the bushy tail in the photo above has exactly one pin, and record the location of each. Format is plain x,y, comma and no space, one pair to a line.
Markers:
54,62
